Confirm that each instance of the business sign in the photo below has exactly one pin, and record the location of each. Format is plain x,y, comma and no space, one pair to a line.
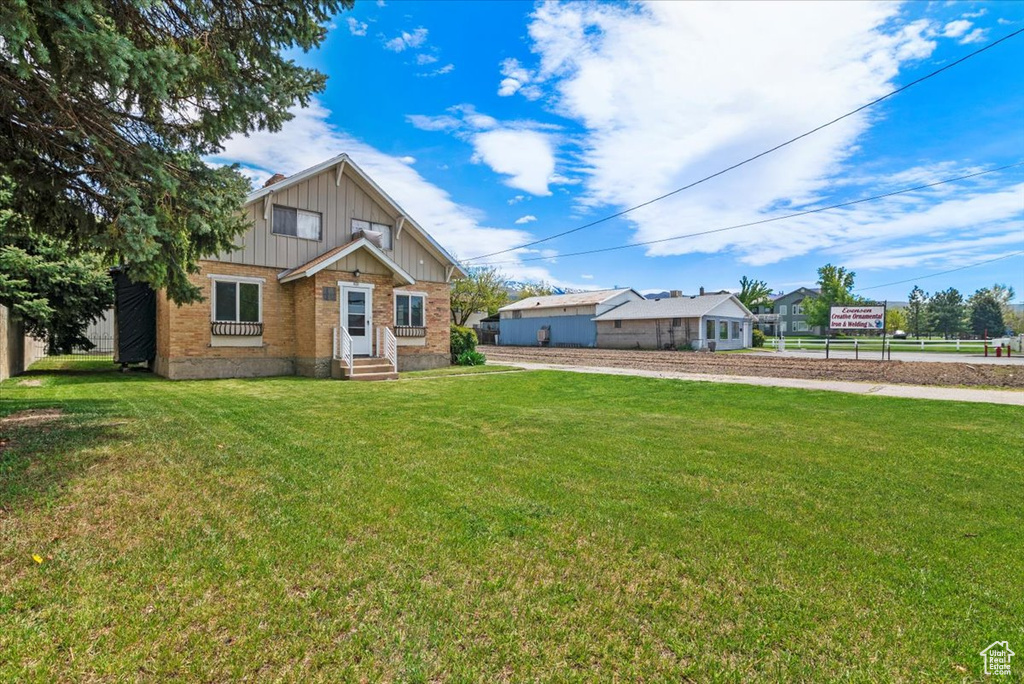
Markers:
857,318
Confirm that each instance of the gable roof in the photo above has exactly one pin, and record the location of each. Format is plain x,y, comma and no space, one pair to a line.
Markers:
574,299
348,165
670,307
321,262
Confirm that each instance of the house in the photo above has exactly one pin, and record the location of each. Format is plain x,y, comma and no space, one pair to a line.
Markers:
559,320
718,321
785,315
332,278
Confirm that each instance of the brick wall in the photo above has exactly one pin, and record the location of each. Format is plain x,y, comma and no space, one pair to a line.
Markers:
298,326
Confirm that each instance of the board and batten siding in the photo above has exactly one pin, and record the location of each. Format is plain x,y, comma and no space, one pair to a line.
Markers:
338,206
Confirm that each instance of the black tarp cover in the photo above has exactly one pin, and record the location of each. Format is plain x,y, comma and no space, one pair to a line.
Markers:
134,320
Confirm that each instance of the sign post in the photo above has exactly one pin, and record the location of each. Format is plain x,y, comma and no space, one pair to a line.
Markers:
859,317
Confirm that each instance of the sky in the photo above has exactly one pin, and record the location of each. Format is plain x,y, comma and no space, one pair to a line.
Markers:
496,124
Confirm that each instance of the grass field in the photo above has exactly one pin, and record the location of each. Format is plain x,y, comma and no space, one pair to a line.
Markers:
522,526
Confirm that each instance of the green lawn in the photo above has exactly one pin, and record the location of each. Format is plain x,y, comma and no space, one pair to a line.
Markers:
458,370
524,526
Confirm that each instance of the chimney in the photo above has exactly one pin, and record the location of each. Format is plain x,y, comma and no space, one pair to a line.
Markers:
701,290
276,178
675,293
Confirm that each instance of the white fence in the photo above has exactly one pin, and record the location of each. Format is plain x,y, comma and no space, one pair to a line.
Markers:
869,344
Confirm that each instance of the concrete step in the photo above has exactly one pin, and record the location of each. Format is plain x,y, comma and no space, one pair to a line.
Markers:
389,375
368,361
368,368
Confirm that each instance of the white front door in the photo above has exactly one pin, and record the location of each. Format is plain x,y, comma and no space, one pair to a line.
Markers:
357,317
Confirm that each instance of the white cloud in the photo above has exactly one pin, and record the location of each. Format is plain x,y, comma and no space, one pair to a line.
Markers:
446,69
516,200
407,160
517,79
529,218
523,151
309,138
526,157
649,129
587,276
976,36
407,40
381,3
424,59
955,29
356,27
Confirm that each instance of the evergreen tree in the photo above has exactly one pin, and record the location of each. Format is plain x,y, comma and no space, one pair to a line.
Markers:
917,311
109,107
754,293
947,312
986,315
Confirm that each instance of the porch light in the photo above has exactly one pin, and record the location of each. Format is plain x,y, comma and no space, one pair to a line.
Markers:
355,273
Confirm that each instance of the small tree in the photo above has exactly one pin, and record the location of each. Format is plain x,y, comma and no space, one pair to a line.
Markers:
836,285
484,289
986,315
917,311
754,293
895,319
947,312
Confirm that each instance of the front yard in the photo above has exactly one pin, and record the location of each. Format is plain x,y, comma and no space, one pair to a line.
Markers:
513,526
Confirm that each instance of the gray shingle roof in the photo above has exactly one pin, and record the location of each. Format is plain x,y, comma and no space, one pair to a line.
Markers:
574,299
670,307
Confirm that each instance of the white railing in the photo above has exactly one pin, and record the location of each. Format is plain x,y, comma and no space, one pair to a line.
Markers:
390,347
343,347
876,344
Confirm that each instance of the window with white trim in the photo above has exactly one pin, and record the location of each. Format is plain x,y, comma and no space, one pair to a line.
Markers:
782,309
237,302
736,330
798,310
410,309
382,228
292,222
800,326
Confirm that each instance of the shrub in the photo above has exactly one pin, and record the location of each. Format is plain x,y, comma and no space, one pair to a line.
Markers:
462,340
757,339
471,358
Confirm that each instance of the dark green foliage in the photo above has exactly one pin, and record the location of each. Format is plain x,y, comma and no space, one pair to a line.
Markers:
986,316
947,312
462,340
754,293
757,338
917,311
109,107
56,290
470,358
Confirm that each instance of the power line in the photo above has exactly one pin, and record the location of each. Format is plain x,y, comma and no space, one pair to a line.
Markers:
763,221
952,270
756,156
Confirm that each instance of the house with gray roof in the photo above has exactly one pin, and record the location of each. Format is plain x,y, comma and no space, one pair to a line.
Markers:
785,315
565,320
706,321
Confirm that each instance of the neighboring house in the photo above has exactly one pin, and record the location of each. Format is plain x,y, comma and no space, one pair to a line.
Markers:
18,351
697,321
785,315
330,264
559,320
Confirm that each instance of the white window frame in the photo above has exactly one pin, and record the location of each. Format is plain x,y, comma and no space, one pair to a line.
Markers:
214,279
783,309
318,214
736,330
798,310
410,293
375,227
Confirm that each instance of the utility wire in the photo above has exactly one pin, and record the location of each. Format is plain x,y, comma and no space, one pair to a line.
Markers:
763,221
756,156
952,270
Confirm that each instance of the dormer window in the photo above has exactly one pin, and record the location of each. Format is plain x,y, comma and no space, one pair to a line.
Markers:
299,223
374,232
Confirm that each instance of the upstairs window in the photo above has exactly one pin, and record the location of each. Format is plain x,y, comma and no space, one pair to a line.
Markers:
299,223
382,228
409,309
782,310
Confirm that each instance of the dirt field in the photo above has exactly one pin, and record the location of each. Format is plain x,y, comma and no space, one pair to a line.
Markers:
903,372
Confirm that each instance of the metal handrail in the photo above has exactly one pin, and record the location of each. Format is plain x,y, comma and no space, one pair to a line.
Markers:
391,348
343,347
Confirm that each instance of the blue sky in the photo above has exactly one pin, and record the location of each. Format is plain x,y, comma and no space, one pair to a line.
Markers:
498,123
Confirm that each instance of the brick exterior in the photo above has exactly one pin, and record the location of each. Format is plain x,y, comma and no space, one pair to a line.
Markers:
298,326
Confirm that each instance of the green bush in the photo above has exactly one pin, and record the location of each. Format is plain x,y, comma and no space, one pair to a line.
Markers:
462,340
470,358
757,338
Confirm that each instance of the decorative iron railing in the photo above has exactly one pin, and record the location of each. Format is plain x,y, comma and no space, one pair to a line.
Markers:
410,331
241,329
